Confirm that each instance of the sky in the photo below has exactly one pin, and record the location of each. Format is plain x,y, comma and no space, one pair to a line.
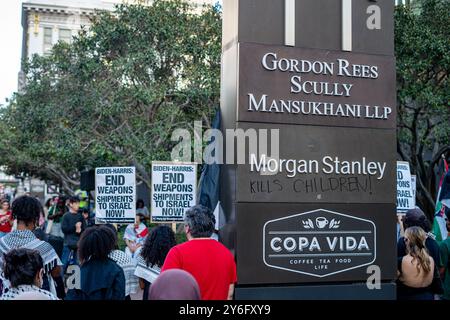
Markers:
10,52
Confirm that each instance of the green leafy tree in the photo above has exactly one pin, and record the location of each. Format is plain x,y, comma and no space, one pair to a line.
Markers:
422,48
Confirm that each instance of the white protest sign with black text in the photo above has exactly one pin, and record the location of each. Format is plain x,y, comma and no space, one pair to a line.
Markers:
174,190
405,197
115,198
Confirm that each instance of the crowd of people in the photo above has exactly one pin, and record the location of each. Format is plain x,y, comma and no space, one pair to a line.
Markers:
38,245
423,264
57,252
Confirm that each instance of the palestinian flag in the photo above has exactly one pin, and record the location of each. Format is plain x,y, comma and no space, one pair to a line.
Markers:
442,205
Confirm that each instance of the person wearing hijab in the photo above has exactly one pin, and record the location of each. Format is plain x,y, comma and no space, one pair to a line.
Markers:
6,220
174,284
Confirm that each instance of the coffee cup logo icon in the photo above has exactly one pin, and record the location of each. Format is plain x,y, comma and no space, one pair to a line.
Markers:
321,222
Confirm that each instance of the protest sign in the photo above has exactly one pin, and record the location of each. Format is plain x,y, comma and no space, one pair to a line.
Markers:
414,187
405,197
115,198
174,190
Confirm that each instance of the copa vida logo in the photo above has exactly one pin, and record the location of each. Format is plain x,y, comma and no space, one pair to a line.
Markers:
319,243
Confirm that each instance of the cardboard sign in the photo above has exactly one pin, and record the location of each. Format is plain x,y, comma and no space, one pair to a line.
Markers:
405,196
174,190
115,198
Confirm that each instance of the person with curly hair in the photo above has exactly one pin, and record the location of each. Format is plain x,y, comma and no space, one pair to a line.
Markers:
152,256
72,225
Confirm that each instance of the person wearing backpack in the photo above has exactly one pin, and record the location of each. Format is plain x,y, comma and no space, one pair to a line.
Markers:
101,277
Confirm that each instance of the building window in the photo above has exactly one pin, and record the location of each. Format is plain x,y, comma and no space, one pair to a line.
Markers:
65,35
48,42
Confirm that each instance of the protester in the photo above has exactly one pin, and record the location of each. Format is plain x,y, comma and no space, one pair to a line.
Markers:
6,220
101,277
400,228
84,198
26,210
72,226
416,218
174,284
24,269
445,261
416,269
53,225
141,208
55,215
152,257
134,237
125,262
39,231
210,262
49,204
33,295
86,216
56,243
